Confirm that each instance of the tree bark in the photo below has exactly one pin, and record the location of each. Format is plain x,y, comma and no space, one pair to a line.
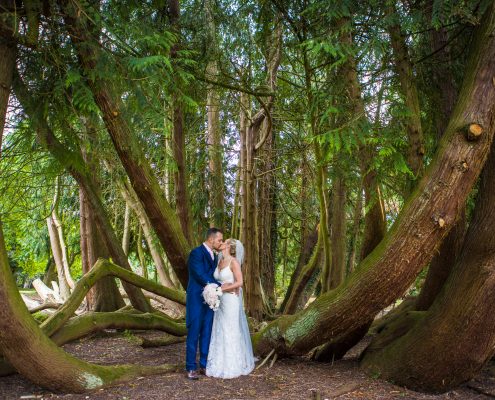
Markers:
303,278
57,256
40,360
129,150
444,96
422,224
126,236
7,64
338,234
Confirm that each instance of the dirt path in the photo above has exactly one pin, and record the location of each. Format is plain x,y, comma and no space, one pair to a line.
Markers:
288,379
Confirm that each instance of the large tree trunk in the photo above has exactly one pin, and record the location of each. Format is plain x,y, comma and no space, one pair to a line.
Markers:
422,224
256,135
129,150
449,343
444,96
38,358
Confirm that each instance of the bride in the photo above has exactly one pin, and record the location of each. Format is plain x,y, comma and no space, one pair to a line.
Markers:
231,352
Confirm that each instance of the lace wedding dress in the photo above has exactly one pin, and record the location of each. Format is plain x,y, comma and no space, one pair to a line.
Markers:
231,352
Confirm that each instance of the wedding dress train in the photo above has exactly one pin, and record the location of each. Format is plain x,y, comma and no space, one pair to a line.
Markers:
231,352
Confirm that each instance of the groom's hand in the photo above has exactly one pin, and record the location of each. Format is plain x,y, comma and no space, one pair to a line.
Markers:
235,290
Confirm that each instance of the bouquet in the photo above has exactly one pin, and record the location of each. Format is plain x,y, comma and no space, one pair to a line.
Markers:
211,294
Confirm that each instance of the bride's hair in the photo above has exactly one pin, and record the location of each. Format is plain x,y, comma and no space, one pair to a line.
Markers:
232,244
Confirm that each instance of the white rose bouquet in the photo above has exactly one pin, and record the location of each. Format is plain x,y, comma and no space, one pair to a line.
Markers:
212,293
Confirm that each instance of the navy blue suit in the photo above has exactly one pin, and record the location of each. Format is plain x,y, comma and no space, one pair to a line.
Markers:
199,317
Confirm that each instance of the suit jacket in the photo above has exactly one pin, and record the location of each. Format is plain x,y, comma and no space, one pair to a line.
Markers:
201,268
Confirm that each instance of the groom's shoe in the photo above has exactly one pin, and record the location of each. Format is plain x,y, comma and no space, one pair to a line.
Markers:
192,375
202,371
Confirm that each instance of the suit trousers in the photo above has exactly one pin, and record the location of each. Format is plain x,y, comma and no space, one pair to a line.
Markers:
199,327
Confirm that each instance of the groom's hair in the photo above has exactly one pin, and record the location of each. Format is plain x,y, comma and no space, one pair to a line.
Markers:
212,232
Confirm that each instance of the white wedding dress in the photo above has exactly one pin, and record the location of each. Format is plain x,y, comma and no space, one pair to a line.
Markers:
231,352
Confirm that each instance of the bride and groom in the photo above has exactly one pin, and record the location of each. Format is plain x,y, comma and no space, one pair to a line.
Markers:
225,349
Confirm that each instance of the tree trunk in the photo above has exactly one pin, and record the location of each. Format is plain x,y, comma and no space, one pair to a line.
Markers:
356,224
404,69
126,236
374,220
133,202
129,150
140,253
39,359
215,150
423,222
449,343
442,264
105,295
309,237
58,248
446,94
308,244
7,64
297,291
338,234
57,256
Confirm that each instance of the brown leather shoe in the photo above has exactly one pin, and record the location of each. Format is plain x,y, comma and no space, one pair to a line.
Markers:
192,375
202,371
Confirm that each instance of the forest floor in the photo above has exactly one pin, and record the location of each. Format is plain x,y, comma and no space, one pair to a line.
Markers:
291,378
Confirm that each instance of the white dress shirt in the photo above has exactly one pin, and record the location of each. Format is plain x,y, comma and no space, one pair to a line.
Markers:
210,251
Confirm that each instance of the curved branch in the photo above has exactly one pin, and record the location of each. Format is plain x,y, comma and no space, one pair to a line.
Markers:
92,322
103,268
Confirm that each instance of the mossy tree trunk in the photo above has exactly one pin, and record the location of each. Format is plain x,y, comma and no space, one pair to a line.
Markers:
423,222
446,345
163,218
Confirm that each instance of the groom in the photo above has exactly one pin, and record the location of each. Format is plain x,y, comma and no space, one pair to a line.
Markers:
199,317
